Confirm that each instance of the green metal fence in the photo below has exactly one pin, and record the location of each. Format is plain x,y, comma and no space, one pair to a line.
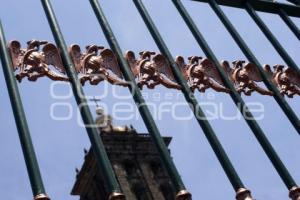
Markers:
285,11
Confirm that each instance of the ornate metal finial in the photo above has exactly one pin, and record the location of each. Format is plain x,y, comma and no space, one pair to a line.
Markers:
243,194
41,197
295,193
183,195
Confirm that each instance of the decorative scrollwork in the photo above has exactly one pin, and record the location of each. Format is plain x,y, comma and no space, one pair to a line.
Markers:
97,63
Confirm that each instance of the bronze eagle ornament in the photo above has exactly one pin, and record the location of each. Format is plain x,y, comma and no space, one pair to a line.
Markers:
33,63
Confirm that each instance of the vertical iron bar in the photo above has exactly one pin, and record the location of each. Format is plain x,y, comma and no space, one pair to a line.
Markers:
93,132
140,102
247,52
289,23
257,131
199,114
278,47
33,170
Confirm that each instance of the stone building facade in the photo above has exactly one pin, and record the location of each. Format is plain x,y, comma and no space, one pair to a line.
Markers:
135,161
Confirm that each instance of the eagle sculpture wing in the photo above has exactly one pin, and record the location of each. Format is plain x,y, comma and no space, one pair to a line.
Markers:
109,61
133,63
228,70
16,53
210,70
52,57
162,65
182,66
268,70
293,76
252,72
76,56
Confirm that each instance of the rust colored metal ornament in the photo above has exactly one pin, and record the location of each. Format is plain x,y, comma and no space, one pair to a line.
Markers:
96,64
286,79
201,74
33,63
151,69
243,194
245,77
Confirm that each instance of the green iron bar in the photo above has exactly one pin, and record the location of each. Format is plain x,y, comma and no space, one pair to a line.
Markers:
289,23
261,5
33,170
259,134
93,132
140,102
247,52
199,114
296,2
278,47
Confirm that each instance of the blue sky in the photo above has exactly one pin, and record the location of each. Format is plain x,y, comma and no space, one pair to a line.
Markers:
59,144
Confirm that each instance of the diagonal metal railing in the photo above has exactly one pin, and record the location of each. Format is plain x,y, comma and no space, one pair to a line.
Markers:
276,44
251,57
267,6
284,16
257,131
181,192
285,11
93,132
33,170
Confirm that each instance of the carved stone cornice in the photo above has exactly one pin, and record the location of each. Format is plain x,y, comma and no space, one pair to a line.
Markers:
97,63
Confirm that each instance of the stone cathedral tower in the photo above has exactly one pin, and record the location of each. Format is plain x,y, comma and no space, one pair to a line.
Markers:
135,161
